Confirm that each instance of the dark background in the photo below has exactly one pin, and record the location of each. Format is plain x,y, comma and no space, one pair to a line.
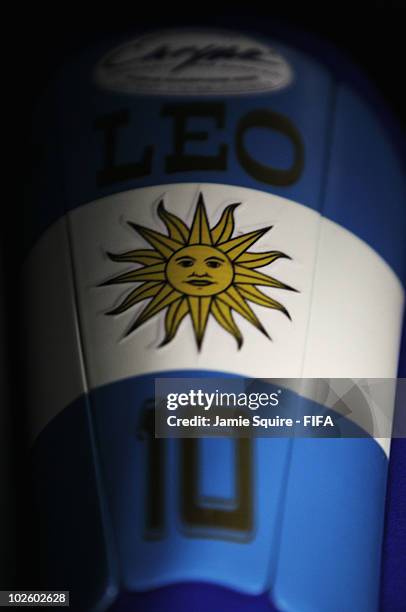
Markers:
371,34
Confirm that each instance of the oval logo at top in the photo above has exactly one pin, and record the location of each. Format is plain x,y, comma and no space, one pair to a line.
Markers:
193,62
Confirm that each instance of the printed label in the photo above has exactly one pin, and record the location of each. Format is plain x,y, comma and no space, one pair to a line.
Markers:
202,62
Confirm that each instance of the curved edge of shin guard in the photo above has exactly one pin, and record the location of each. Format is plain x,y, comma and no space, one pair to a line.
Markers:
195,596
393,584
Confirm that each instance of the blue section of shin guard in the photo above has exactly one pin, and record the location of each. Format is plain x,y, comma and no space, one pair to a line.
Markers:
393,588
351,173
314,543
366,189
329,559
79,106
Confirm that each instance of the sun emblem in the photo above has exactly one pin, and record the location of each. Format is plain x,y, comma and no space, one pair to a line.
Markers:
198,271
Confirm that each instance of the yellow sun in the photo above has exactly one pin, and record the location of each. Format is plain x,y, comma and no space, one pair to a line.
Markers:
198,272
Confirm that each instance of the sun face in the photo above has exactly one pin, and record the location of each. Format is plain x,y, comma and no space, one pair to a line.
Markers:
198,272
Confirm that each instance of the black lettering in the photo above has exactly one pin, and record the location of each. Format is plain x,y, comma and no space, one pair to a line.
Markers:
266,174
238,517
112,172
180,161
155,494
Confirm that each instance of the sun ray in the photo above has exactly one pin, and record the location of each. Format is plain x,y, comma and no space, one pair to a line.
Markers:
163,244
144,291
252,277
234,300
200,230
223,315
199,308
236,246
225,227
259,260
174,316
177,229
141,256
164,298
156,272
255,295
